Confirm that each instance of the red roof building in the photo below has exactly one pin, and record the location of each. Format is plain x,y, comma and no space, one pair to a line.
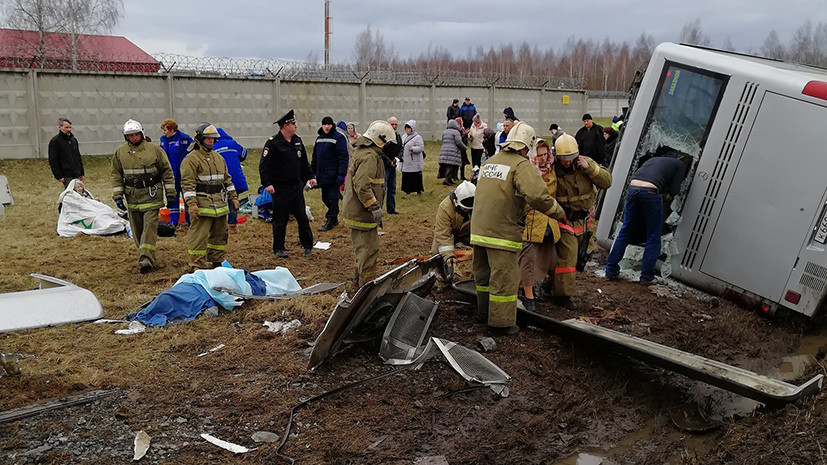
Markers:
23,49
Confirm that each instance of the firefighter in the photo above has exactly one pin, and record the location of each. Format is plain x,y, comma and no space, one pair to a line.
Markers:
578,179
508,181
207,186
363,196
453,223
141,176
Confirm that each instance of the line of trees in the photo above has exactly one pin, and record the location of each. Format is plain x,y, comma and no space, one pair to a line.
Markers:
602,65
73,17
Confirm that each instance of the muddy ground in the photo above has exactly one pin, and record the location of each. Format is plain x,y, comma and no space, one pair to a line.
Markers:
566,398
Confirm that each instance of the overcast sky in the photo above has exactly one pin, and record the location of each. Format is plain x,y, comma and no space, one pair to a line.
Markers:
295,29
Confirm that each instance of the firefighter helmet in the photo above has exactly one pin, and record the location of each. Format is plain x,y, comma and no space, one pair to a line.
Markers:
132,127
380,133
565,147
205,130
464,195
520,136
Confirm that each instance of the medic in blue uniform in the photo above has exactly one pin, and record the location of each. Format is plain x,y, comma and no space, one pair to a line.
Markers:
176,144
233,154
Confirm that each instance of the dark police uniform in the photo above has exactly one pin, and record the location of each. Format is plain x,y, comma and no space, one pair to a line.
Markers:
284,165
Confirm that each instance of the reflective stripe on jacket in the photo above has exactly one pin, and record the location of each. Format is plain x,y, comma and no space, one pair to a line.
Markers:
507,181
364,185
205,181
145,162
577,191
449,227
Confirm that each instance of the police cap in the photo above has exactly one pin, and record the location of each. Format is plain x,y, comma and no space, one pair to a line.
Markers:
288,118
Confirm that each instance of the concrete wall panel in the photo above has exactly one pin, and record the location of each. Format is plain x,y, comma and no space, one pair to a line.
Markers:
312,101
14,116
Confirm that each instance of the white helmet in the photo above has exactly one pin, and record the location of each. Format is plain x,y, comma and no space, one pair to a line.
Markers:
380,133
464,194
132,127
520,136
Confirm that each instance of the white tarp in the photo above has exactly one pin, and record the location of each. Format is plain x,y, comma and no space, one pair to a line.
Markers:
81,214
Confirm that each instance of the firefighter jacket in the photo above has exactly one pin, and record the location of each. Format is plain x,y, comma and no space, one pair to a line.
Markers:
364,185
577,192
206,181
536,223
142,173
450,227
507,181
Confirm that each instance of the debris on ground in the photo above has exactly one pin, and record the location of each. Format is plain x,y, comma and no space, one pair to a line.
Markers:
135,327
234,448
54,302
282,327
216,348
68,401
10,364
265,436
141,445
487,345
471,365
322,245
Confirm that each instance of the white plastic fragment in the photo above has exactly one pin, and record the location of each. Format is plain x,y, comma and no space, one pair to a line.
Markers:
282,327
135,327
141,445
322,245
218,347
107,320
234,448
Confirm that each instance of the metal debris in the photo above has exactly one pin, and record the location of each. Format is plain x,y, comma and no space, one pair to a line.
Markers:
141,445
68,401
407,329
218,347
487,345
470,364
55,302
234,448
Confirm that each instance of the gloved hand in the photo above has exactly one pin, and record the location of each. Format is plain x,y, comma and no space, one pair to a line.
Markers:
119,203
234,201
172,202
448,263
377,215
192,209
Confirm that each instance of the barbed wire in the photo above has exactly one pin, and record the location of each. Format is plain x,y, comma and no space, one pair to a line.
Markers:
299,70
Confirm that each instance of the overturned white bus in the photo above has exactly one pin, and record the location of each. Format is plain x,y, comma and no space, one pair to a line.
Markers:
751,218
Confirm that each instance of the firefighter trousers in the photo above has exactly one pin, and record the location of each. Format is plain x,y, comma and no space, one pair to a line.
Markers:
207,240
497,277
145,232
366,249
564,273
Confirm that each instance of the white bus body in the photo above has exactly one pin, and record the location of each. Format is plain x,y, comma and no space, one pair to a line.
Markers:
752,213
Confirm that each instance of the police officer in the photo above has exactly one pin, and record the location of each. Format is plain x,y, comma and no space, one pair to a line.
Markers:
508,181
284,171
175,143
207,185
140,170
364,193
578,179
453,223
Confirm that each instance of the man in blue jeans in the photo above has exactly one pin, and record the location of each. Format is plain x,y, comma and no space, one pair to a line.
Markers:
644,209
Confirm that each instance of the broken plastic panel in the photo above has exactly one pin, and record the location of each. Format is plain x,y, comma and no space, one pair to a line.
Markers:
56,302
406,330
470,364
347,316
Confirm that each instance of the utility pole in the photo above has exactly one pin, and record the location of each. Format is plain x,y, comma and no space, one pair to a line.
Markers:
326,32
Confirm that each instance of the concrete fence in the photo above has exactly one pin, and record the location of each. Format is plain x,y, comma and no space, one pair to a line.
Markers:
99,103
606,104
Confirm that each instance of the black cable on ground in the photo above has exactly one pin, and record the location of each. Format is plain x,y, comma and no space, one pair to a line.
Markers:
322,396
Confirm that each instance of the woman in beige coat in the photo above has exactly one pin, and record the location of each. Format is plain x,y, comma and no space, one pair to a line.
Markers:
475,136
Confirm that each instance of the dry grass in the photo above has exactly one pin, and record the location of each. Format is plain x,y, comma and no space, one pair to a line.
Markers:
74,357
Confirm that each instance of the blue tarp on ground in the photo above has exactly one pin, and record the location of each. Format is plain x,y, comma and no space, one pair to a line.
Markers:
193,293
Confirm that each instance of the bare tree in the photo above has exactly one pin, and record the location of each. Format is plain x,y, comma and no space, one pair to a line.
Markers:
773,48
88,17
693,33
32,15
370,50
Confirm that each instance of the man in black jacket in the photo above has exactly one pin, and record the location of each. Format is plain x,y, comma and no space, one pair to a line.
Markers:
454,111
390,153
284,170
590,140
64,154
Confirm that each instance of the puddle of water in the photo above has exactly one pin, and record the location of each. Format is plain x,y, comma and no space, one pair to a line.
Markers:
583,458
